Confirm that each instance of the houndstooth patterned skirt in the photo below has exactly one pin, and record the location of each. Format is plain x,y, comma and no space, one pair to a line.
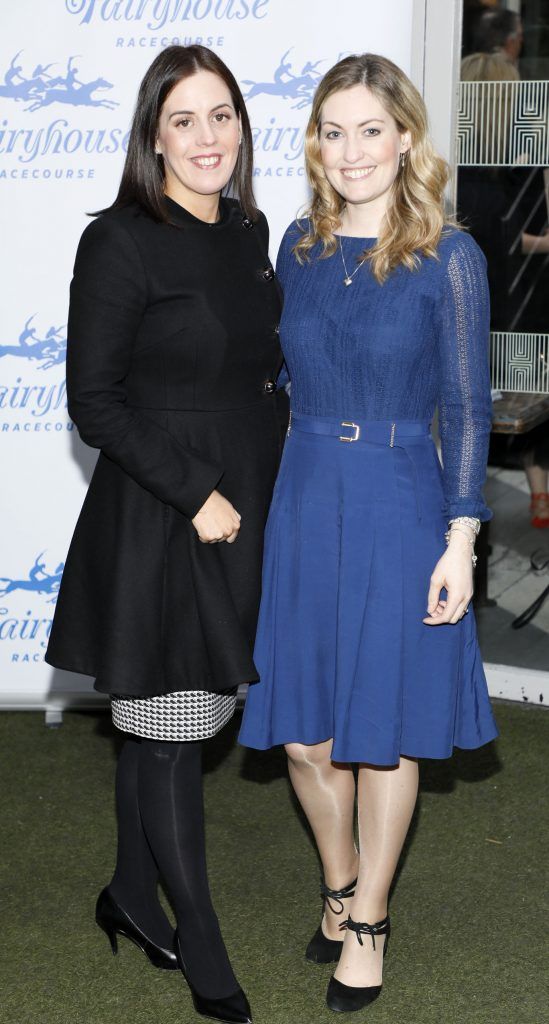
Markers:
186,715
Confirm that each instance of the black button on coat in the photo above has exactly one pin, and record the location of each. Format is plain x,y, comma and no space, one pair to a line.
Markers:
170,342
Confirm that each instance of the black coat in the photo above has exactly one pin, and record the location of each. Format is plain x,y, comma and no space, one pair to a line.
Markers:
172,354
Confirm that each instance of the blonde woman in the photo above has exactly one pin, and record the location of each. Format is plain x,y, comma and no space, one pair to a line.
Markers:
366,648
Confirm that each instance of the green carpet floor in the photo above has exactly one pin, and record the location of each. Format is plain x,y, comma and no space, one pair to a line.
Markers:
469,909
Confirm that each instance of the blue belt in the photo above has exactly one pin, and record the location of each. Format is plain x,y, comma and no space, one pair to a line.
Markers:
386,432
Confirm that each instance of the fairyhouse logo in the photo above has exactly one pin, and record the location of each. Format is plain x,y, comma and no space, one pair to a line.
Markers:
39,580
35,399
157,14
279,141
30,90
45,349
26,630
298,88
41,89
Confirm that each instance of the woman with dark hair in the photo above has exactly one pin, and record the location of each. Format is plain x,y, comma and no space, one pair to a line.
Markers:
172,356
364,646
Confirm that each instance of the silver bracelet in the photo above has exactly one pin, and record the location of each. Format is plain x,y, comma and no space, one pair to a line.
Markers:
470,521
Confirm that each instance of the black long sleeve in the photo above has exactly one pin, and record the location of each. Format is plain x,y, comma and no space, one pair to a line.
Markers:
107,301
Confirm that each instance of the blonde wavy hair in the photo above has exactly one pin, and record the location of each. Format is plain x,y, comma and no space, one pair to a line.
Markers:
415,217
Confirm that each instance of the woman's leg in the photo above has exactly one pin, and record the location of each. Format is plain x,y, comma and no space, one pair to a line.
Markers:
172,811
539,500
326,792
134,885
386,800
537,478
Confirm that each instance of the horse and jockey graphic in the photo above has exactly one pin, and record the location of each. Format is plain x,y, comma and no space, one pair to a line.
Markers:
50,350
42,89
38,581
300,87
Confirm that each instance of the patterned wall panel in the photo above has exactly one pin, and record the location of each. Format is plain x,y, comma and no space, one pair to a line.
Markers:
520,362
503,123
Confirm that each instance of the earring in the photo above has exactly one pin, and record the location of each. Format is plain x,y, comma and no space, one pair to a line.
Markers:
240,140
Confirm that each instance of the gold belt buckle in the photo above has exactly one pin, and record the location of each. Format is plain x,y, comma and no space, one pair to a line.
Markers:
356,429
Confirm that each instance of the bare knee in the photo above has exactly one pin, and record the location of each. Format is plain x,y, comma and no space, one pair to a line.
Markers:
314,755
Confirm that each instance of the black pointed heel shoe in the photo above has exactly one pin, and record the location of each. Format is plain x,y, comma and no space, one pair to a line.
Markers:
115,921
347,998
321,949
232,1009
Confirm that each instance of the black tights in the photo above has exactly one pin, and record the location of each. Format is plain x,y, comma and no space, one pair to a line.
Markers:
160,813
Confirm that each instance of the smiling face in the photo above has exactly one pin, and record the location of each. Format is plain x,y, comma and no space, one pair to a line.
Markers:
198,137
360,147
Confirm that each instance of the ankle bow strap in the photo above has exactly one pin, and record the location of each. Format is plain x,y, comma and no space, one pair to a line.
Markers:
338,895
361,928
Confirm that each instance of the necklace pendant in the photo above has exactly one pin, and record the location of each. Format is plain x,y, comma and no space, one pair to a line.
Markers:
347,281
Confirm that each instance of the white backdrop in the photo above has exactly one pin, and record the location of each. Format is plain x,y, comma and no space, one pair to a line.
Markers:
69,71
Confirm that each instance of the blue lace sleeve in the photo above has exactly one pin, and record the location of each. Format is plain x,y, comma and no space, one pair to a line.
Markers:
465,405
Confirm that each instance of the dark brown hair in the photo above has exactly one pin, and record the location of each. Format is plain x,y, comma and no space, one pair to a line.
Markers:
143,174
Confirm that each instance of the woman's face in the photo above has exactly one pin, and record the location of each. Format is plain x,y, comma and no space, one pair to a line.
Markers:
360,146
198,137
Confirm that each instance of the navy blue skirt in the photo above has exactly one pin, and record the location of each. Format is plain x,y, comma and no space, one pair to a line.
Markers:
355,529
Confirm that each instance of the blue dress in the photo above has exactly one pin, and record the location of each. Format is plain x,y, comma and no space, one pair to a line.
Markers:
355,529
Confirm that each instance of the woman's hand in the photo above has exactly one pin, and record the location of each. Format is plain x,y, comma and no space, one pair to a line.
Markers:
454,572
217,520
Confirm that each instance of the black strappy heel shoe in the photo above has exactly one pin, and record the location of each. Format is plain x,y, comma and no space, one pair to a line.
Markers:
114,920
321,949
232,1009
346,998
